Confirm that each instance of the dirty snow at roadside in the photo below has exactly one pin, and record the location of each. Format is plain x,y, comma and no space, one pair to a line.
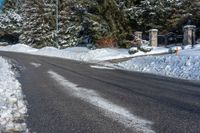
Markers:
185,66
80,53
12,105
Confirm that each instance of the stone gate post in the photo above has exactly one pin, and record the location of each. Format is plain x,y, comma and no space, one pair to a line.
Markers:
138,34
189,34
153,37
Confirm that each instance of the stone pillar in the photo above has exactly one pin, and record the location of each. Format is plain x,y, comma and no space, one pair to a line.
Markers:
153,37
138,34
189,34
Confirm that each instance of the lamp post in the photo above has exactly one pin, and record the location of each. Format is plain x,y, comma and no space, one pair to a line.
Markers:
57,23
17,3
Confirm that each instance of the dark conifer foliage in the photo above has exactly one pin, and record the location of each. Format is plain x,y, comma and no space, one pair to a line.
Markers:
83,20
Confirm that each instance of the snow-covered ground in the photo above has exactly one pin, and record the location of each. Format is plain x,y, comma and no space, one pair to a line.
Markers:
12,105
185,65
81,53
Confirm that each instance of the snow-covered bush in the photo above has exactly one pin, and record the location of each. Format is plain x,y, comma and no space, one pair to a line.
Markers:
3,43
145,48
133,50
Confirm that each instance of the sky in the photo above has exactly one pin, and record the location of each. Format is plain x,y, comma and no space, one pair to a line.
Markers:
1,3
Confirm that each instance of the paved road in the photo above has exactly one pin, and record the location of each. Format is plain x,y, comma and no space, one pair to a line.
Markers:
66,96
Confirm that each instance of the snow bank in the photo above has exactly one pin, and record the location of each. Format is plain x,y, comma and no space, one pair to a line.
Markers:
81,53
185,66
12,105
18,48
192,51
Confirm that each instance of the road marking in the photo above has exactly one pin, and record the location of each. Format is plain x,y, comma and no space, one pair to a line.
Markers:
101,67
35,64
110,109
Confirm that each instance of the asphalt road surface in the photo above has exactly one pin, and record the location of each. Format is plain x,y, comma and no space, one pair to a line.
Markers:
67,96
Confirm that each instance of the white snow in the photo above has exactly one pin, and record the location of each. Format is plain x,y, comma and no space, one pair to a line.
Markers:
18,48
110,109
12,105
185,66
80,53
10,20
35,64
102,67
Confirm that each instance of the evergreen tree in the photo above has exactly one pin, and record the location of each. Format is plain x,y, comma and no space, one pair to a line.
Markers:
195,11
81,20
10,20
39,23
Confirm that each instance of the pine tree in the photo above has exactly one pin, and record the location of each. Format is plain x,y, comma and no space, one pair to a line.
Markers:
195,11
39,23
96,19
10,20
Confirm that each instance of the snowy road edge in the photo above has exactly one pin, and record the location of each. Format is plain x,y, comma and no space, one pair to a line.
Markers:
13,110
